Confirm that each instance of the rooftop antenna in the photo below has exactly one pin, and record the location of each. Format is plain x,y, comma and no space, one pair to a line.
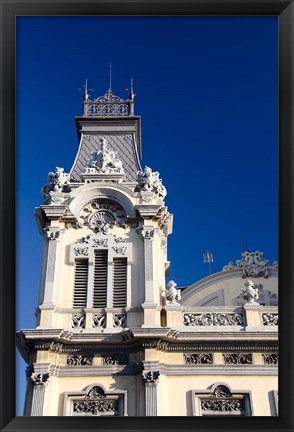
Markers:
208,259
110,76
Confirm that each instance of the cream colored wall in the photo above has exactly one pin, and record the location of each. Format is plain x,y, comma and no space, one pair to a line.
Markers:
58,386
174,392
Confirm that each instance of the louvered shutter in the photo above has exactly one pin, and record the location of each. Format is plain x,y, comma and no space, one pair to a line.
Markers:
80,284
100,279
119,282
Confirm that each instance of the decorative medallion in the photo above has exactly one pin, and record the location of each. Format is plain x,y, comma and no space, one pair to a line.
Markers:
101,215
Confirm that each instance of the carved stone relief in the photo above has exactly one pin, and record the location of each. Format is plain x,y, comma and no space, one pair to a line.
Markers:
40,379
79,251
78,321
114,359
150,377
270,319
270,358
198,358
98,321
52,234
79,360
221,400
101,215
120,249
237,358
211,319
119,320
104,161
252,264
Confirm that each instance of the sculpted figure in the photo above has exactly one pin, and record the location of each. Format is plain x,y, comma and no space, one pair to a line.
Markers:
105,160
56,182
172,294
250,292
149,181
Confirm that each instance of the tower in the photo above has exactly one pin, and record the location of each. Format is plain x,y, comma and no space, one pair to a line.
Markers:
105,228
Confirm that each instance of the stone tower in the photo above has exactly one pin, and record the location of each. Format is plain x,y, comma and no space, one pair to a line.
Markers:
105,228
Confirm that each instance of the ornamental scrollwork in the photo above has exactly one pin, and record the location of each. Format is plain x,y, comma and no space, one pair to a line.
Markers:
173,295
270,319
78,321
252,264
120,249
101,215
221,405
114,359
270,358
98,321
237,358
147,234
198,358
119,320
79,251
100,243
107,105
40,379
57,181
79,360
119,239
95,407
211,319
149,181
52,234
104,161
150,377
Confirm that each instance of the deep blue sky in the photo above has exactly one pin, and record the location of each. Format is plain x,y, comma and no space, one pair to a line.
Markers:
207,93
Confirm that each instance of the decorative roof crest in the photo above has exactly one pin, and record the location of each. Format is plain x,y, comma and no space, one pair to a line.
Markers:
108,104
252,264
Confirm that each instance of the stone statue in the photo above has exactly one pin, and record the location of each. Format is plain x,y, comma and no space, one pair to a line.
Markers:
149,181
105,160
56,182
172,294
250,293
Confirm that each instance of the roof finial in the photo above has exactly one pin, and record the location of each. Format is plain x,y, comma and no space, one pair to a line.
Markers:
86,94
110,77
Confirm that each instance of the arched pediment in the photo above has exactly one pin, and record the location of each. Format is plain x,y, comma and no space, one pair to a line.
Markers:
226,289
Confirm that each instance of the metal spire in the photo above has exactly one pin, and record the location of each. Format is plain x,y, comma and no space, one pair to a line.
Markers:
110,76
86,94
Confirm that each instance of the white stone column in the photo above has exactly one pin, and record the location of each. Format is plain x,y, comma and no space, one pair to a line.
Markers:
52,234
40,381
151,379
147,233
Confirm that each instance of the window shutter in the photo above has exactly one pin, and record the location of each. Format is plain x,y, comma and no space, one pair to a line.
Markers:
119,282
100,279
80,284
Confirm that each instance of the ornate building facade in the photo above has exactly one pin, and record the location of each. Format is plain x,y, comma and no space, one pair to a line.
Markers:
112,338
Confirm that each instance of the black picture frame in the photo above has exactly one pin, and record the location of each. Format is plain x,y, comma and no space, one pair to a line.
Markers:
284,9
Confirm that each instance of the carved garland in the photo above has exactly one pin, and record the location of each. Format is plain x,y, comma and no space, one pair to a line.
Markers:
213,319
237,358
202,358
